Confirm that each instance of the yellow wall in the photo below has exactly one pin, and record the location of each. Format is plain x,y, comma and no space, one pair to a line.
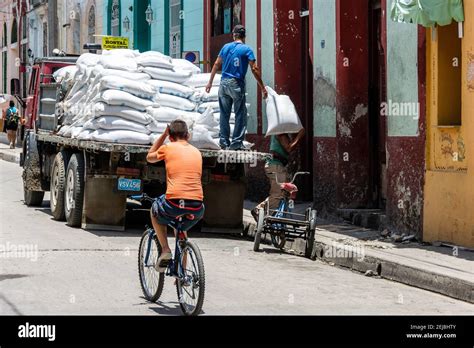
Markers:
449,183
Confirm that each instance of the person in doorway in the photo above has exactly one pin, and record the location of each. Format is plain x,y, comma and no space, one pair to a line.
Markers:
281,147
234,59
12,120
184,194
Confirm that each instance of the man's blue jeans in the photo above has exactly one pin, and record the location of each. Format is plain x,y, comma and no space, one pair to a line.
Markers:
232,92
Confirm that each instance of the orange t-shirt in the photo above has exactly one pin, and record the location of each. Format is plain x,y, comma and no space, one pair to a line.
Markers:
183,170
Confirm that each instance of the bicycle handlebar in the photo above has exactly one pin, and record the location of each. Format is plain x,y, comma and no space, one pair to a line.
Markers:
294,177
142,197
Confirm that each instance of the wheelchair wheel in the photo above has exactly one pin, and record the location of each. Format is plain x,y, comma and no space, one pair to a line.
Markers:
310,234
258,232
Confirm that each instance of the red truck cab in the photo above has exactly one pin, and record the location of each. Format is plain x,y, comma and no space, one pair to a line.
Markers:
42,73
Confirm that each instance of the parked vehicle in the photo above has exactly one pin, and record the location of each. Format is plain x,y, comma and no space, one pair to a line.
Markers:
90,181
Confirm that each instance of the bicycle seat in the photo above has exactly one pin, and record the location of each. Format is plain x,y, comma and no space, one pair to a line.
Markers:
288,187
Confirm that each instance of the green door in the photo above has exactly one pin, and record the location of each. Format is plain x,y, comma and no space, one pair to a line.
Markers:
141,32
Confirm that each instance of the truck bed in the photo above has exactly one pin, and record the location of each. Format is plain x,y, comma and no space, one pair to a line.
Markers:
227,155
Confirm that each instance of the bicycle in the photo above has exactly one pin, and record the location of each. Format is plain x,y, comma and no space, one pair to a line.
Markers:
190,284
282,224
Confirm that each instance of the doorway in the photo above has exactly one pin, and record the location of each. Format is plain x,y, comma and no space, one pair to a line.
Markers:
377,96
142,28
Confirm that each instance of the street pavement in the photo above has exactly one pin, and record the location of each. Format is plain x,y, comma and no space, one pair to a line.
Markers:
84,272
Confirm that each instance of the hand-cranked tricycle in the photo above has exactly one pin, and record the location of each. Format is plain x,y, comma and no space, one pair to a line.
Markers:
282,224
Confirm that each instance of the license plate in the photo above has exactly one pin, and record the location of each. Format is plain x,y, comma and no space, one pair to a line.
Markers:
131,185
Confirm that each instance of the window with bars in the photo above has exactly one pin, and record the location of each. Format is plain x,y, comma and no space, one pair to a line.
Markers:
14,35
91,25
115,18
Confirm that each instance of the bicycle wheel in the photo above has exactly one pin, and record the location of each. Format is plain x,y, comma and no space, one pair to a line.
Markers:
151,281
191,286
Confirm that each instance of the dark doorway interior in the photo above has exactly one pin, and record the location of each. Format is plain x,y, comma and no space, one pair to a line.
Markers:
377,95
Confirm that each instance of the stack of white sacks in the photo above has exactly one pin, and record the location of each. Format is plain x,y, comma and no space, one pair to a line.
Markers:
127,97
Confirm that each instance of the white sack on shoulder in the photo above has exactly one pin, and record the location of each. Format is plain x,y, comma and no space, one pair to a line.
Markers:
178,76
138,89
184,64
118,63
122,98
120,137
281,114
172,88
125,112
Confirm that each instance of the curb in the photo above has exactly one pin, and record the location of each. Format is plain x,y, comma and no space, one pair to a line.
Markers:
379,266
10,157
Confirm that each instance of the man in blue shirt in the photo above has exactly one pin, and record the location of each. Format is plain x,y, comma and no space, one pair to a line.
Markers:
234,59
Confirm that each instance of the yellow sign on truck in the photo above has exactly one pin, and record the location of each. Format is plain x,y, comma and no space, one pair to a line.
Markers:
113,42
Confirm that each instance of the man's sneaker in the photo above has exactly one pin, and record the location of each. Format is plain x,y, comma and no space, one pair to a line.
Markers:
163,262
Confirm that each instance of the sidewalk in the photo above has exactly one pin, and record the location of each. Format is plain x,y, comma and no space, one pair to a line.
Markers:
444,270
7,154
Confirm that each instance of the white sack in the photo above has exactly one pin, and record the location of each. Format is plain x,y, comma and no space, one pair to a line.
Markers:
172,101
122,52
85,134
128,113
101,72
212,96
121,137
165,114
118,123
154,61
184,64
281,114
122,98
172,88
213,105
138,89
157,127
207,119
65,73
201,138
118,63
178,76
88,59
201,80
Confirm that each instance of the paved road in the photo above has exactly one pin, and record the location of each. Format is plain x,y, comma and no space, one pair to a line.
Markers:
80,272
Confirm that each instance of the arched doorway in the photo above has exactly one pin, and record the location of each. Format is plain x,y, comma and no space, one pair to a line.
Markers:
141,32
113,23
91,25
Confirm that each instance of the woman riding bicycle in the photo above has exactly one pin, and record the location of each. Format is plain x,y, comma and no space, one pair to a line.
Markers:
281,147
184,194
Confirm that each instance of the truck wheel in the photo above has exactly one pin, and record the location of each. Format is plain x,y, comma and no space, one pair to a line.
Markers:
58,183
74,190
33,198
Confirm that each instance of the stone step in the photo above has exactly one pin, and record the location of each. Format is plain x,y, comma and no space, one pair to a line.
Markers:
367,218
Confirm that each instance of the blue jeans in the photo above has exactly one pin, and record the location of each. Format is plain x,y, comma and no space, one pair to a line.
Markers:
231,92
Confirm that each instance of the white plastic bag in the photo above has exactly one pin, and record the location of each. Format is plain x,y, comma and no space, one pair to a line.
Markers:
138,89
172,88
184,64
122,98
281,114
125,112
178,76
172,101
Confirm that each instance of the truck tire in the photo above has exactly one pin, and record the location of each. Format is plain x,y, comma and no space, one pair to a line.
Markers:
33,198
57,185
74,190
